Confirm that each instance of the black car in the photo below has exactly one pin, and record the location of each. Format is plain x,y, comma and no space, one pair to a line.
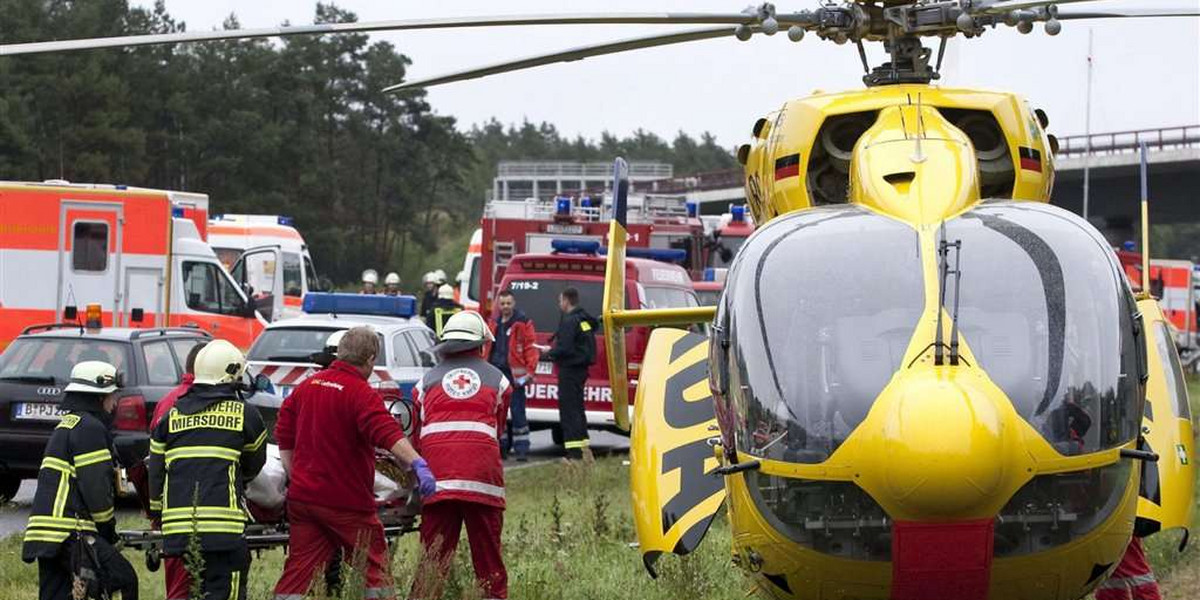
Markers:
36,367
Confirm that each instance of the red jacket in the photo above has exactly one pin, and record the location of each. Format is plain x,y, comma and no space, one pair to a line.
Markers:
164,406
332,423
461,406
522,355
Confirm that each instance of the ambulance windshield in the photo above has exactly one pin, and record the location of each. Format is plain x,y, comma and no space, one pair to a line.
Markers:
822,306
537,297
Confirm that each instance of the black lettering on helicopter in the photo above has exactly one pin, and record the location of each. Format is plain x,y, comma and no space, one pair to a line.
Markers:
678,412
695,484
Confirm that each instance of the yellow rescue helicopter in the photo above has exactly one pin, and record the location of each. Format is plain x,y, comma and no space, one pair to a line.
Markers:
922,380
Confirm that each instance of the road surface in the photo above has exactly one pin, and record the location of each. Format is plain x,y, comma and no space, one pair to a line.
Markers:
14,514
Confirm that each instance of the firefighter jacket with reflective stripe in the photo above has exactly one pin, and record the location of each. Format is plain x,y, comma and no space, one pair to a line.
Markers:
461,407
332,423
201,454
74,486
522,354
575,340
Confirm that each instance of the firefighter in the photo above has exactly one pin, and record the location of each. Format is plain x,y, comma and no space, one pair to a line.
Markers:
72,530
573,352
328,429
429,281
201,454
444,307
178,582
370,279
516,356
462,404
391,284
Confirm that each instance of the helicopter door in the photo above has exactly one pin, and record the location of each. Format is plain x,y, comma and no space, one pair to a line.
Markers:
1165,500
671,460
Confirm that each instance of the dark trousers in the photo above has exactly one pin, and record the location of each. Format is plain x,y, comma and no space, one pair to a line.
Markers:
570,410
103,568
225,575
516,434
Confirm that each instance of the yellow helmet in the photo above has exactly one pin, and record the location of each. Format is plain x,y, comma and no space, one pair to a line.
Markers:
94,377
219,362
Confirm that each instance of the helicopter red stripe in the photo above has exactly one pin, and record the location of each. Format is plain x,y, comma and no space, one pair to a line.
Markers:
787,166
941,561
1031,159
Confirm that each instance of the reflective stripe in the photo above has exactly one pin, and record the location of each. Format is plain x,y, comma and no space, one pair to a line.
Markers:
60,496
104,515
52,537
203,527
156,505
157,447
262,437
58,464
466,485
289,596
576,444
383,592
235,586
92,458
1120,583
44,522
218,452
203,512
458,427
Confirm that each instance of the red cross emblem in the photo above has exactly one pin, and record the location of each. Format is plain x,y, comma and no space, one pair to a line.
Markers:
462,382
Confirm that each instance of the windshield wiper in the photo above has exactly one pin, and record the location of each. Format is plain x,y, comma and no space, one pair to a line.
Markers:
30,378
944,249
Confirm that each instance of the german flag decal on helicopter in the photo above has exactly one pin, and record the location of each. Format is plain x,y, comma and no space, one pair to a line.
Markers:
787,166
672,463
1031,159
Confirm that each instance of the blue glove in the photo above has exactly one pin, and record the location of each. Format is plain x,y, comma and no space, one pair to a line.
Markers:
426,483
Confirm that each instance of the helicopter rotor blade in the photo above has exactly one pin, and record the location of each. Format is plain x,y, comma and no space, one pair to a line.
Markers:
570,55
739,18
1064,15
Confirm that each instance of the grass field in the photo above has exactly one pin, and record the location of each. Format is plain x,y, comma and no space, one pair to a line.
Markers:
568,535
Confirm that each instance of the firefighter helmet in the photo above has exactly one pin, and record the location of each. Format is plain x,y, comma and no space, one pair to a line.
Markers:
467,326
94,377
219,362
370,276
331,342
392,278
446,292
429,277
439,276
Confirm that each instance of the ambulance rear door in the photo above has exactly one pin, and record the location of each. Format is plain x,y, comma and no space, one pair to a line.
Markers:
260,273
89,255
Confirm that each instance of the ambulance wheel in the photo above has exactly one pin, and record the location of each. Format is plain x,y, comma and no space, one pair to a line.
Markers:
9,485
556,435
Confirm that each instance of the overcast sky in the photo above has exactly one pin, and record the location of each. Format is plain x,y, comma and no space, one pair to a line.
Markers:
1146,71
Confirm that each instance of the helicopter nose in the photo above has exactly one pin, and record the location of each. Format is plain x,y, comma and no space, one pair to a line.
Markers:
945,447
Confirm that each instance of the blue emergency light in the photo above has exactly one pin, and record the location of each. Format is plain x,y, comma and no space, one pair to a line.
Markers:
585,202
285,221
575,246
562,205
177,212
710,274
1129,246
359,304
738,212
693,209
667,255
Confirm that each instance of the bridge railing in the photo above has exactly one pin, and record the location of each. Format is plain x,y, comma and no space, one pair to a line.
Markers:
1122,142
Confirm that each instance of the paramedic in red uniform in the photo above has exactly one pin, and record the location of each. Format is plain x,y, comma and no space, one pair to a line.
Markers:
179,584
327,431
461,406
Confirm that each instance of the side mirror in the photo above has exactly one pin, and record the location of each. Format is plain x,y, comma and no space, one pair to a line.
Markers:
248,310
262,383
427,359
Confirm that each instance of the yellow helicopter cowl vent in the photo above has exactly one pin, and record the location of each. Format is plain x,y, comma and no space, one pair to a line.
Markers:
914,165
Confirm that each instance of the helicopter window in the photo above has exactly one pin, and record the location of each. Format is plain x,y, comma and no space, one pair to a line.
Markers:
1168,359
822,307
1056,331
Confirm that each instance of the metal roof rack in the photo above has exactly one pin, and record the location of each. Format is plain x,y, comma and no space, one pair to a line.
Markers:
162,331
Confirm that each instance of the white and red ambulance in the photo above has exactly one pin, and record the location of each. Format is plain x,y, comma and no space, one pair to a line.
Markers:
266,256
140,254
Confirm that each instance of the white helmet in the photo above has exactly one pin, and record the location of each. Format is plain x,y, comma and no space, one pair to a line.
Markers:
466,326
94,377
334,339
370,276
219,362
439,276
429,277
446,292
392,278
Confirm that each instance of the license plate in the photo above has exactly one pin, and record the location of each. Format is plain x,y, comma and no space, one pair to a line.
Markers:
37,411
545,368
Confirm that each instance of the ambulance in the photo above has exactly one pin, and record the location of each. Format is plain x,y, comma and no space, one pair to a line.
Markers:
1174,283
726,234
268,258
117,256
509,228
653,280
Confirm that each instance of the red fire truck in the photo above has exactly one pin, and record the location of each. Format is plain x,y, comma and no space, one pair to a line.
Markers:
509,228
536,280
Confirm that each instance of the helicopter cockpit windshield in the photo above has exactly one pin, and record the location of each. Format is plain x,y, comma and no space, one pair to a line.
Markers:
823,304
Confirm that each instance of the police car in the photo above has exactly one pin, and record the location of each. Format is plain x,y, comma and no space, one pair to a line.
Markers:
285,350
